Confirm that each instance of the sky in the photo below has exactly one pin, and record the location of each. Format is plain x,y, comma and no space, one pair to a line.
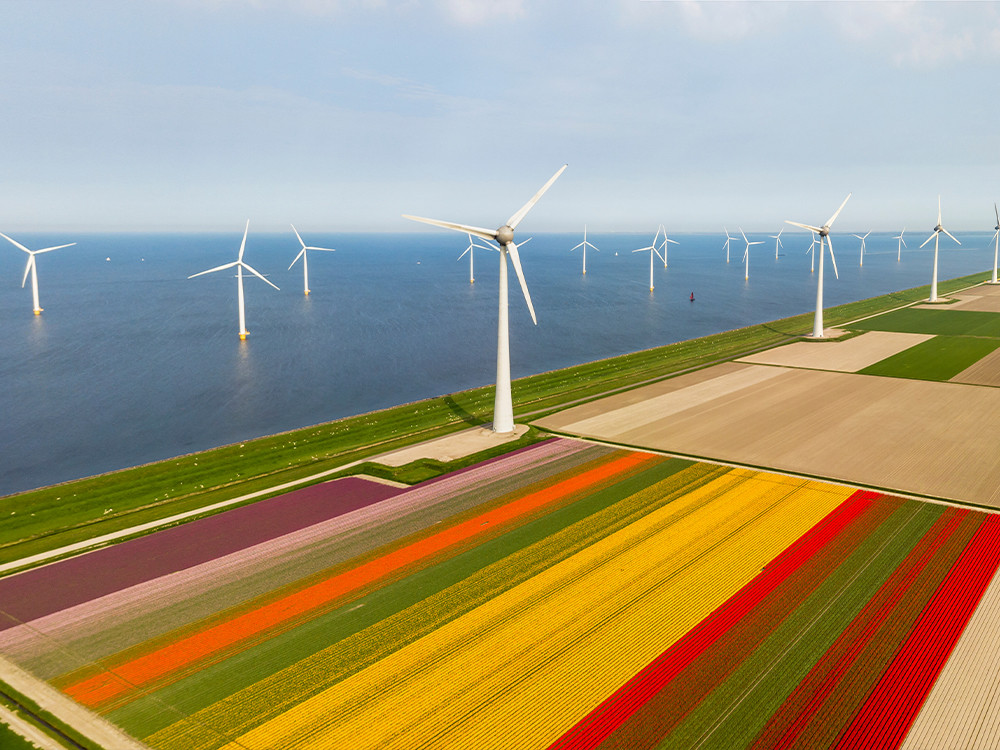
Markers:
341,115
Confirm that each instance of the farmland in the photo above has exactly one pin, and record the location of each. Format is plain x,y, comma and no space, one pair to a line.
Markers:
563,595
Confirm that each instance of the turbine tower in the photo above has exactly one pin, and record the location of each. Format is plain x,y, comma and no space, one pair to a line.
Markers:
503,405
584,245
728,240
663,247
936,236
777,241
862,238
996,246
240,265
824,233
746,253
472,244
32,268
652,250
305,259
900,244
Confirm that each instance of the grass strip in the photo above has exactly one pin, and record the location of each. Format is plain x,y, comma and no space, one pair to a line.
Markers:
892,706
15,698
735,712
940,358
52,517
936,322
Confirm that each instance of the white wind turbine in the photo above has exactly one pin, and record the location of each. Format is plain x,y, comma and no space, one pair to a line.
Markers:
936,237
652,250
503,405
824,233
862,237
812,249
746,253
469,250
305,258
32,267
666,240
777,241
728,240
584,245
240,265
996,247
900,244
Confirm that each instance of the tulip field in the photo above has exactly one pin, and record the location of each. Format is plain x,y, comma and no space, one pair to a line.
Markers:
565,595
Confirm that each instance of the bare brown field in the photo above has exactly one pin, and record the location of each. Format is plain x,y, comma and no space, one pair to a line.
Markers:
842,356
985,299
910,436
984,372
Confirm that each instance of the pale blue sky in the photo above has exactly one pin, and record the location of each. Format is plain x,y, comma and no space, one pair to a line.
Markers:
338,115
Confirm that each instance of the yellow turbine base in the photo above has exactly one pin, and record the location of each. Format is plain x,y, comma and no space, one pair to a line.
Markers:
243,336
307,291
38,311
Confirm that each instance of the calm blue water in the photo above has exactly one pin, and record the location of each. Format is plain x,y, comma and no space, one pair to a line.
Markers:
132,362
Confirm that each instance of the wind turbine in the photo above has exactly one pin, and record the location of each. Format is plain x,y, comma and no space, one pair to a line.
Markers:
472,244
936,237
824,233
996,247
503,405
240,265
900,244
728,240
812,249
584,245
652,250
777,241
664,245
862,238
32,267
302,254
746,253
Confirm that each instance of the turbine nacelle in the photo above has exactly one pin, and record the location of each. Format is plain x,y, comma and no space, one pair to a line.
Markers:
505,235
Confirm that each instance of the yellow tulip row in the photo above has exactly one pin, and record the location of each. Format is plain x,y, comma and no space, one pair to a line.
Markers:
525,665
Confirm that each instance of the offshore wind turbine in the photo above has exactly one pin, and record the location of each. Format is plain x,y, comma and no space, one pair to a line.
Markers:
32,267
812,249
777,241
240,265
728,240
824,233
305,259
503,405
469,250
862,238
746,253
584,245
996,247
663,247
652,250
900,244
936,237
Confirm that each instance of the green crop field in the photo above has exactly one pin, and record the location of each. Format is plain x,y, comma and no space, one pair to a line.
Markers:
938,322
939,358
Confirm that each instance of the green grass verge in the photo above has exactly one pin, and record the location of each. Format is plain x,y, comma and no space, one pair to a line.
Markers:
24,703
52,517
939,358
11,740
937,322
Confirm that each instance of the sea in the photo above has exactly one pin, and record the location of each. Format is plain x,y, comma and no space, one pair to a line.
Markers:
131,361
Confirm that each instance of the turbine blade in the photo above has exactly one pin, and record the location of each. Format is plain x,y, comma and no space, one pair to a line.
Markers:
804,226
301,253
928,239
514,220
57,247
997,212
949,234
744,235
243,244
324,249
213,270
297,235
595,247
516,261
658,255
15,242
939,210
902,240
486,234
576,246
27,268
672,242
254,271
644,249
837,213
465,253
832,256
